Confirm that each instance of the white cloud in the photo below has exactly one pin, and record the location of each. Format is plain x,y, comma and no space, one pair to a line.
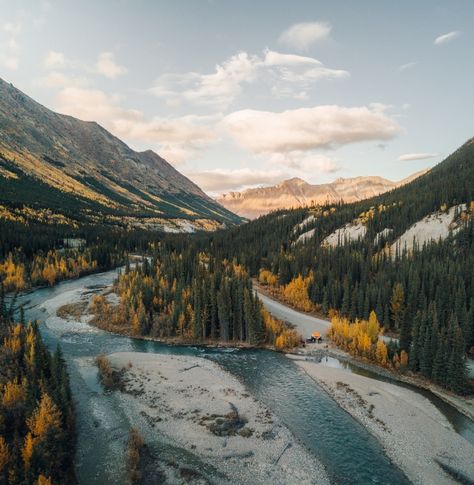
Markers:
221,180
57,79
107,66
416,156
55,60
308,128
301,36
304,162
445,38
176,138
406,66
12,28
219,88
287,73
9,48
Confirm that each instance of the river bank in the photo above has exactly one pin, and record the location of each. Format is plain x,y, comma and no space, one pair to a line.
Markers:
463,404
413,432
306,323
196,406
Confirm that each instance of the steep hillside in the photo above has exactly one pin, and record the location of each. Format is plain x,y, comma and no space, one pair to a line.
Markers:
81,171
295,192
449,183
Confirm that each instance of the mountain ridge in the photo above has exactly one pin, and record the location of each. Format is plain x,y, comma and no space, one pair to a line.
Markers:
82,160
296,192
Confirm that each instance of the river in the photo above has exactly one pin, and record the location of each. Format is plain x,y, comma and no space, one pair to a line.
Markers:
349,453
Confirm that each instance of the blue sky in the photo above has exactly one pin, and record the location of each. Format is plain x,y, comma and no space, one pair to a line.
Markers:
238,94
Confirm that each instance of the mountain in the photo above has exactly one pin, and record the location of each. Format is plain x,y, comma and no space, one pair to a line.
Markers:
80,171
295,192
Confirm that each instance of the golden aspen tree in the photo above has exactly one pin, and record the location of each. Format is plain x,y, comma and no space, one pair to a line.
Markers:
381,352
4,456
45,416
13,394
42,480
373,327
403,359
136,323
296,292
27,451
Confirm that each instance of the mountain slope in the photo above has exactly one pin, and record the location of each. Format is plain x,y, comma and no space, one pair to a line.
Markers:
296,192
77,168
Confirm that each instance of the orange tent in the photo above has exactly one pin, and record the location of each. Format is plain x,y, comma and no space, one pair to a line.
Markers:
316,335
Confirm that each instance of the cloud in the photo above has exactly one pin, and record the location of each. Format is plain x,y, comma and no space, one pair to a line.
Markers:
287,73
416,156
308,128
107,66
12,28
176,138
9,48
221,180
301,36
219,88
55,60
9,55
445,38
57,79
304,162
406,66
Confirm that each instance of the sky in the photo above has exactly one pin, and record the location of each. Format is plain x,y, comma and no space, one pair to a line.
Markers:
250,93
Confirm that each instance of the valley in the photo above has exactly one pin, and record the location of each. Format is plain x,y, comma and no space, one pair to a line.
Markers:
236,243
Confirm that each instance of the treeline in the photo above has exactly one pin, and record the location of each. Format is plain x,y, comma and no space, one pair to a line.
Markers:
43,254
37,436
192,296
18,273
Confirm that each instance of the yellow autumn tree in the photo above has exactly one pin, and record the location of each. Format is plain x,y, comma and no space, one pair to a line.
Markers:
27,451
381,352
373,327
266,277
13,274
403,359
4,457
296,293
42,480
13,394
45,417
12,343
136,324
359,338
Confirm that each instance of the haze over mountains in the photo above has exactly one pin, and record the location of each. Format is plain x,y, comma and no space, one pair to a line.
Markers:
81,171
295,192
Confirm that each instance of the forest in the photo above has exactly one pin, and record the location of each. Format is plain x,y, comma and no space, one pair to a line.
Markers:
37,425
191,296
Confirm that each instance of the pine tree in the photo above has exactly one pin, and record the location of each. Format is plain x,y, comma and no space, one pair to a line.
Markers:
397,305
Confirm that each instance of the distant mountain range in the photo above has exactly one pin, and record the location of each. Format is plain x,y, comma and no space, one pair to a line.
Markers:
295,192
80,171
